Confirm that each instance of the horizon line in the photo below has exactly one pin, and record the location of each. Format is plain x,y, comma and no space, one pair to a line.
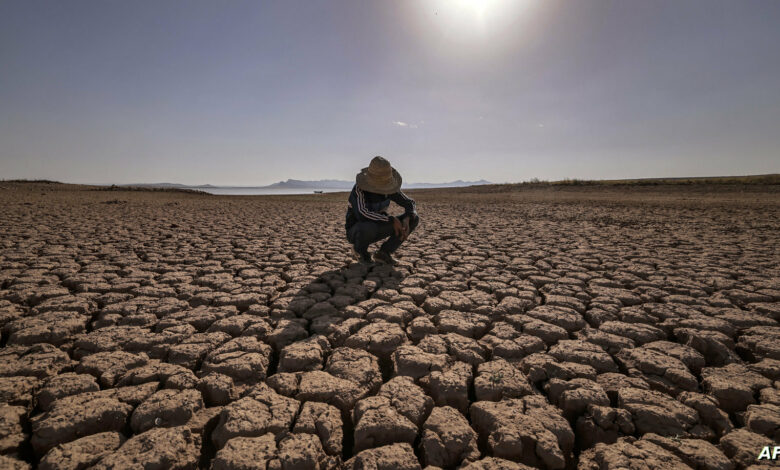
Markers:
486,182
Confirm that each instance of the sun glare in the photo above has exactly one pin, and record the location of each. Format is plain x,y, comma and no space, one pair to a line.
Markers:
478,7
477,16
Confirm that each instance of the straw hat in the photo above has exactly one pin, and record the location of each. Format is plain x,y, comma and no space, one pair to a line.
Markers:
379,177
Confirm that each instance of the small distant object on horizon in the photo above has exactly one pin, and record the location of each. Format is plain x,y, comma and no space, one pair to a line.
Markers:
318,192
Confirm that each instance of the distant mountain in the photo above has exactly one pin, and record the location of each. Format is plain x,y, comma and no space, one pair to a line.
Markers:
301,184
157,185
342,184
171,185
453,184
320,184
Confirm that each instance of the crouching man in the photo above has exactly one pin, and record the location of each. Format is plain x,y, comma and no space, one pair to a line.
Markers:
367,217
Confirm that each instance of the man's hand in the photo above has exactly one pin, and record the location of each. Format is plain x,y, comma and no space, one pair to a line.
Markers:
401,228
398,228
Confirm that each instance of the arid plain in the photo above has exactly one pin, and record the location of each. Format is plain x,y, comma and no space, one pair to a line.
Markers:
547,327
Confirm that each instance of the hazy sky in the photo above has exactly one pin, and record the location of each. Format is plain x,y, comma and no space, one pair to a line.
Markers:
234,92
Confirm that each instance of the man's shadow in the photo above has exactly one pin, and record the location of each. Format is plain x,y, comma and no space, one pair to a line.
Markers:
333,303
326,298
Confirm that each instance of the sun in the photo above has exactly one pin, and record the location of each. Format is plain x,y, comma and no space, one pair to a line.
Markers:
476,16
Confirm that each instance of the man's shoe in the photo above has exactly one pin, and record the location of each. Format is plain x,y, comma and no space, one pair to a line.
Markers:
384,257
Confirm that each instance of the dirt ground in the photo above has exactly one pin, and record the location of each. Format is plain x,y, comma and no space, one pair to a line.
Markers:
591,328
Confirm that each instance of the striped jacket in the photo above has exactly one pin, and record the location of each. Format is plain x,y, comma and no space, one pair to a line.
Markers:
372,207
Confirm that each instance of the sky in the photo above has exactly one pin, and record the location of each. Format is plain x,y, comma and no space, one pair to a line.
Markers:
253,92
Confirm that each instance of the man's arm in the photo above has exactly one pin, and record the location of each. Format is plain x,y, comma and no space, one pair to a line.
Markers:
404,201
360,205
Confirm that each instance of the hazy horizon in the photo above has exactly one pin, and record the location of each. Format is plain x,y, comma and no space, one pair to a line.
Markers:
147,183
405,183
249,93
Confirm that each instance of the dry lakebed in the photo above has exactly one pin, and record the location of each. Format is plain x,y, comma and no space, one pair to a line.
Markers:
523,327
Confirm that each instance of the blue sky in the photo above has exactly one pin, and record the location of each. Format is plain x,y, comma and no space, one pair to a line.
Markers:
254,92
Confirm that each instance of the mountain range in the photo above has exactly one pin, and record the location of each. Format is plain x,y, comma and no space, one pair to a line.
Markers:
301,184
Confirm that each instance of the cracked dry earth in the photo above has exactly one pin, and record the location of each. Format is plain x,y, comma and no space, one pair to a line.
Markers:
599,329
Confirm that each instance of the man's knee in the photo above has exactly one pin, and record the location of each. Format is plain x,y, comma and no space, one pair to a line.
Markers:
414,220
